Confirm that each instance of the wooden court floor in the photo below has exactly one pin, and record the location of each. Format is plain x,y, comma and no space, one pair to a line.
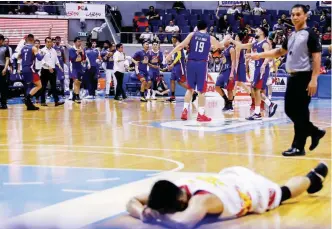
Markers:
150,137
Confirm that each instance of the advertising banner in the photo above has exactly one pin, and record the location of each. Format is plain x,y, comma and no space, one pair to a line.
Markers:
93,11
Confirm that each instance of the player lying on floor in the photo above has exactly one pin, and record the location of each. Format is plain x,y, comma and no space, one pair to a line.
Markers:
234,192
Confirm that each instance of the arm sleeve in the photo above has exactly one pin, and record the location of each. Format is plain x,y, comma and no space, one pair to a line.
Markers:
7,54
313,42
284,44
178,57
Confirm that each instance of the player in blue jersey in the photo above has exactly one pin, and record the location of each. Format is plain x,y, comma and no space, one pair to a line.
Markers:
261,73
141,60
108,63
178,69
76,57
155,61
240,66
28,55
226,78
199,47
60,50
92,56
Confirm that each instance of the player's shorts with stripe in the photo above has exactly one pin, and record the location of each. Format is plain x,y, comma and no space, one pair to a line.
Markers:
223,80
143,74
178,74
241,73
29,76
197,75
260,79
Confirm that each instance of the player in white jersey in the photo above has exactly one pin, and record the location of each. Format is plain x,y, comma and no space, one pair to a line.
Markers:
234,192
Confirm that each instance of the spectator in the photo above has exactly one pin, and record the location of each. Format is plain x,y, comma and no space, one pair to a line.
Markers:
217,65
265,25
29,7
279,25
161,86
178,5
162,38
152,14
326,38
327,63
232,10
212,32
171,28
279,38
322,17
246,10
309,13
287,22
239,18
147,35
223,24
289,32
258,10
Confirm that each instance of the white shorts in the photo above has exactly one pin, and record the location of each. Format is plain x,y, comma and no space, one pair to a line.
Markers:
254,193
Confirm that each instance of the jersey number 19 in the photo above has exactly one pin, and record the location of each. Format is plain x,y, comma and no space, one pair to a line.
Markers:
199,46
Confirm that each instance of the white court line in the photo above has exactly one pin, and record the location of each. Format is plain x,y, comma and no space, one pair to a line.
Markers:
165,149
179,167
83,211
103,179
22,183
92,168
78,191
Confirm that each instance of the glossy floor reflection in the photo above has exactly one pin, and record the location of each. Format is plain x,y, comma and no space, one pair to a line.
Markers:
76,161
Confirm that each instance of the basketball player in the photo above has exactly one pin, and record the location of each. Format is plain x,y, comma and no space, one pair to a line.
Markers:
226,78
60,50
261,73
28,55
199,47
76,57
234,192
155,61
141,59
92,55
107,55
178,69
240,76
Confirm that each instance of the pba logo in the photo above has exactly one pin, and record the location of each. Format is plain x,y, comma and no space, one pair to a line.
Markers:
325,3
82,7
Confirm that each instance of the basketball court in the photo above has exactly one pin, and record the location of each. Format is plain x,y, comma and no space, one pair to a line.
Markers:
77,166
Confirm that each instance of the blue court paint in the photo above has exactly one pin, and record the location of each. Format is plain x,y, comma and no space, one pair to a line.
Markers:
19,199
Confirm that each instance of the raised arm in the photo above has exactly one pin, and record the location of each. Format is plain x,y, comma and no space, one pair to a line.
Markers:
239,45
180,46
37,54
233,69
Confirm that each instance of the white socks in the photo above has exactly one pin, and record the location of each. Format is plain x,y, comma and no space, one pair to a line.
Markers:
201,110
185,106
267,101
257,109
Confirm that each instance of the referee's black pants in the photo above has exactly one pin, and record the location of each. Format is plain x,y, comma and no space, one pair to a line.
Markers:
297,103
3,87
46,76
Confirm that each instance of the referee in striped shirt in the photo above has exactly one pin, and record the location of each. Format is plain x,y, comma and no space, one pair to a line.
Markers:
303,51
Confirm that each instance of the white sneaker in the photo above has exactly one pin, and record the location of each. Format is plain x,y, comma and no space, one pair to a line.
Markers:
148,96
89,97
154,95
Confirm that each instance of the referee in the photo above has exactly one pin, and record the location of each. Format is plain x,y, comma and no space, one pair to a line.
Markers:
303,51
4,63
